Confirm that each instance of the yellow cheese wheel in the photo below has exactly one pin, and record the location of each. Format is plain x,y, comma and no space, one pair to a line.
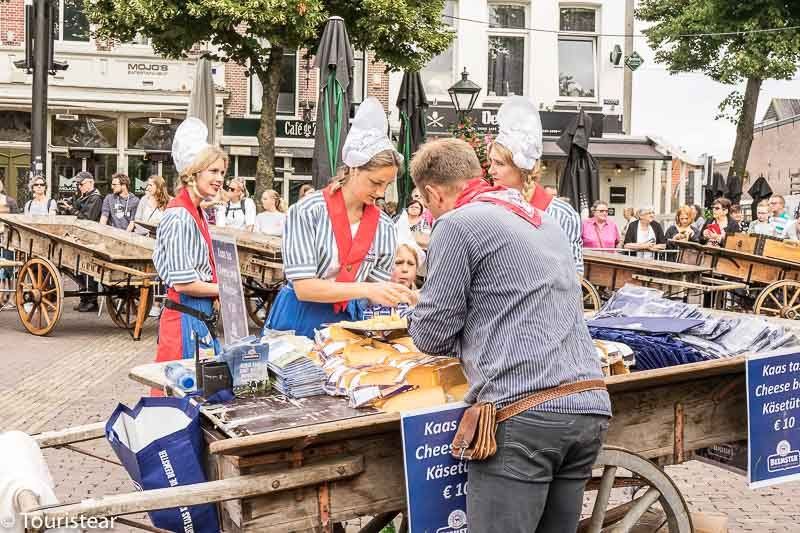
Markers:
335,333
456,393
407,342
415,399
379,375
356,355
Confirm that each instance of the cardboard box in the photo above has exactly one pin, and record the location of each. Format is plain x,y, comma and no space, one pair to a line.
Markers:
709,523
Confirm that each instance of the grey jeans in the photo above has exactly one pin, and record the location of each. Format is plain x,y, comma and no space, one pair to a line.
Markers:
535,481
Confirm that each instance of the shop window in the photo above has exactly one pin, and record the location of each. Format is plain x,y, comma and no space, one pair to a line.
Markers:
288,87
85,131
64,168
302,166
246,166
577,54
507,40
15,126
73,24
102,167
139,170
148,133
437,75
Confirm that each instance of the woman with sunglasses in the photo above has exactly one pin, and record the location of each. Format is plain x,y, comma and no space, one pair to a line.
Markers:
646,236
239,211
40,204
338,247
721,225
182,254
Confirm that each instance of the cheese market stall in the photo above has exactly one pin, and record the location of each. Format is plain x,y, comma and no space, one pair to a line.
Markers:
281,464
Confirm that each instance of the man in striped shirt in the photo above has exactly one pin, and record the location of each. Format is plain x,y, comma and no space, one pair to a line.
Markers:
502,294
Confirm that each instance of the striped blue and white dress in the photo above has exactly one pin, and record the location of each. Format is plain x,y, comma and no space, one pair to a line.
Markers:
310,251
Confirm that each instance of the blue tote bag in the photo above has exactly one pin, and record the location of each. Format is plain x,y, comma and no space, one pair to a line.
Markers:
160,444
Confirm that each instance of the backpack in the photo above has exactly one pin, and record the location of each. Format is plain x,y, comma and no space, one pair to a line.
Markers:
50,203
242,207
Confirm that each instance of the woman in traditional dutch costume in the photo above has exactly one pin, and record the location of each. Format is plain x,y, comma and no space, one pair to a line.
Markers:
338,247
182,253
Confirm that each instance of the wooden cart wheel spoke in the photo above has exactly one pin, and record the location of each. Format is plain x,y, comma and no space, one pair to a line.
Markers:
772,296
39,296
794,298
590,296
771,310
123,308
661,491
601,502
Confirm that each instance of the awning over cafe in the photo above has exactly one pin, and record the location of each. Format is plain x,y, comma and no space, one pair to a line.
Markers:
637,149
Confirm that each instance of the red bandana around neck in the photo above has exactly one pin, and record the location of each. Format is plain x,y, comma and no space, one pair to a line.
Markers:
479,190
352,250
185,201
540,199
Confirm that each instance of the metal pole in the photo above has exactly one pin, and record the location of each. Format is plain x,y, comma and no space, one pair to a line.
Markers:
42,33
627,101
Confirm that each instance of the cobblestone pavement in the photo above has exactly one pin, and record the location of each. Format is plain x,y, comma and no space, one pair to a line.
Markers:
79,374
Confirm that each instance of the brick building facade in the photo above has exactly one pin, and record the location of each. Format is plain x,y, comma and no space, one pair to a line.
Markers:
774,152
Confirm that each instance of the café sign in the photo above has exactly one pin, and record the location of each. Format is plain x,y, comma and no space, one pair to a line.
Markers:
439,120
148,69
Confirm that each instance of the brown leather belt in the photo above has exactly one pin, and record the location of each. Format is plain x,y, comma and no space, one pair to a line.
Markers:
546,395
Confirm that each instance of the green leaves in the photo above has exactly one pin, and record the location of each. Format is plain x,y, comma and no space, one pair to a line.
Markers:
404,33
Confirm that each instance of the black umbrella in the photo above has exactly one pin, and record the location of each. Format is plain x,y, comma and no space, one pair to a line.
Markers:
580,181
734,186
716,189
335,62
759,190
412,104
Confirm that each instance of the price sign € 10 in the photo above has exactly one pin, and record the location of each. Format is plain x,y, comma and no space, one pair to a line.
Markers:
773,406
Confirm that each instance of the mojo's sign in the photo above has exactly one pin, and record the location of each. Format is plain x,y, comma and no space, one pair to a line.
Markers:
439,120
148,69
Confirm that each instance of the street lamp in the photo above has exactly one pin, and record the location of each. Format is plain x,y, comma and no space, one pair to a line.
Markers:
464,94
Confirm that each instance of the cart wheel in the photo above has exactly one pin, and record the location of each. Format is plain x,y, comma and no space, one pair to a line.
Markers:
591,298
780,299
39,296
258,303
123,307
653,494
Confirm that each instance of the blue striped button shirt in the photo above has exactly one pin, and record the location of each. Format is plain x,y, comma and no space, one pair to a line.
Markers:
309,246
505,298
180,254
570,222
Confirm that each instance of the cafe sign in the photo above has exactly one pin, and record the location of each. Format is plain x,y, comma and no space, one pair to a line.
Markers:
296,129
440,119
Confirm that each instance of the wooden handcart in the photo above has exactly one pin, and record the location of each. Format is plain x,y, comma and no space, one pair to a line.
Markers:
280,465
605,272
769,274
260,264
51,246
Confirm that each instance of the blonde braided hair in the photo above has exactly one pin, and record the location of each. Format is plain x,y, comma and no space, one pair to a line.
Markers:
529,177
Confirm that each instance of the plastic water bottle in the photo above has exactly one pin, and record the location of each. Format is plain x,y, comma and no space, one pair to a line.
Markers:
180,376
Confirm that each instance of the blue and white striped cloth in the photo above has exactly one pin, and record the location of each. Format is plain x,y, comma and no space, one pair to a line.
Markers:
180,254
570,222
309,246
504,297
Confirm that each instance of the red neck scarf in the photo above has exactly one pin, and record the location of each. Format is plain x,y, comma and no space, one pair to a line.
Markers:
540,199
185,201
352,250
478,190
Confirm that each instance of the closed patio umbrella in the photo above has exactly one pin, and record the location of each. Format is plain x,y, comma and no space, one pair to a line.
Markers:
580,181
412,103
201,100
335,62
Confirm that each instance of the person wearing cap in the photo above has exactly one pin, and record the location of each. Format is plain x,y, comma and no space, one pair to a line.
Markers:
337,245
514,156
88,205
183,255
503,296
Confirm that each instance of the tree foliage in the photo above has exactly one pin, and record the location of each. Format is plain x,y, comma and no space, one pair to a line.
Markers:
405,34
745,47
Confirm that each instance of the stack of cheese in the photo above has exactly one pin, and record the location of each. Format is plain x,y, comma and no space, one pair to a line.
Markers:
392,376
615,357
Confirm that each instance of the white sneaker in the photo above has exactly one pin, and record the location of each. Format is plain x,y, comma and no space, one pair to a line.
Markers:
155,312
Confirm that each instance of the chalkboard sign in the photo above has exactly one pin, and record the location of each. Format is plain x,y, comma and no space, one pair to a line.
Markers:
231,294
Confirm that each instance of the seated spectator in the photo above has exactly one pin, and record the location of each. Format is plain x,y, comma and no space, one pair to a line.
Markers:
599,231
272,219
646,236
762,225
779,218
682,229
738,216
717,228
